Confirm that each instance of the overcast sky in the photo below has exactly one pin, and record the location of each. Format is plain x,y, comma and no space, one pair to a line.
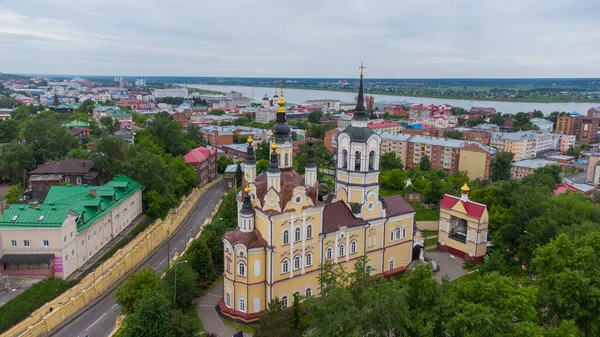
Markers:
303,38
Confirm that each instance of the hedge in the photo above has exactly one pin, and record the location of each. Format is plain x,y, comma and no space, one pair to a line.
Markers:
30,300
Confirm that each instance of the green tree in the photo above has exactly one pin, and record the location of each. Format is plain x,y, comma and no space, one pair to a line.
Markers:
142,281
199,258
47,139
217,112
183,292
169,135
457,111
275,322
475,121
435,192
315,117
393,180
262,151
239,175
501,166
150,318
574,151
9,130
497,119
15,160
110,156
111,126
13,194
389,161
454,134
262,165
222,162
425,164
194,134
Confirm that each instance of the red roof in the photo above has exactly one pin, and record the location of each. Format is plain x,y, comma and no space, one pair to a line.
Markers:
199,154
337,215
385,124
473,209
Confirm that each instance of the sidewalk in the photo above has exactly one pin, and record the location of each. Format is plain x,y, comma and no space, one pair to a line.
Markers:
81,271
208,313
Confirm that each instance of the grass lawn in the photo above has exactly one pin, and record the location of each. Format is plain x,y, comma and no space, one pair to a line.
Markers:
425,214
467,278
213,284
430,233
432,250
191,313
247,328
430,242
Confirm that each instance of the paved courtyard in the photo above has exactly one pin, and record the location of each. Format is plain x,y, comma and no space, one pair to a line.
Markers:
208,314
448,266
18,284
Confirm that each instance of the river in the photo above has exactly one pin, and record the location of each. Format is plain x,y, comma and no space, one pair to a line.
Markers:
301,95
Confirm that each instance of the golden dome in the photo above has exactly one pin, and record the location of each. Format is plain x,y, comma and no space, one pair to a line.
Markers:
249,140
465,189
247,189
281,101
273,146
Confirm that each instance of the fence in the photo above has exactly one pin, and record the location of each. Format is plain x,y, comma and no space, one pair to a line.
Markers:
427,225
97,282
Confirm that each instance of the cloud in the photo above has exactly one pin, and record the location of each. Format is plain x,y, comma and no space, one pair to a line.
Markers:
309,38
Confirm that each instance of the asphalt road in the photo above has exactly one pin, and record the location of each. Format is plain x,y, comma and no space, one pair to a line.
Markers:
99,319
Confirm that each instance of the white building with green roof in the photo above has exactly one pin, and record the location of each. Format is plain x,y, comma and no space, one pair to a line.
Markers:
57,237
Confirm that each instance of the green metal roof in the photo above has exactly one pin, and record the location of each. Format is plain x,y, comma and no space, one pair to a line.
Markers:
64,106
77,199
76,123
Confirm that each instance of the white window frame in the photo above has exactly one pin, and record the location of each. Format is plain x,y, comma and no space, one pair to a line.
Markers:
13,243
284,301
341,250
329,253
228,299
297,234
45,243
308,292
242,304
241,268
353,247
309,232
285,237
398,233
285,266
308,259
26,243
297,262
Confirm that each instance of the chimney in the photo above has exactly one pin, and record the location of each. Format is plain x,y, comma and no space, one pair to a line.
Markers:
34,205
93,192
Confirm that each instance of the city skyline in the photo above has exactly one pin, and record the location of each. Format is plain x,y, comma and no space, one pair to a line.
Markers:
309,39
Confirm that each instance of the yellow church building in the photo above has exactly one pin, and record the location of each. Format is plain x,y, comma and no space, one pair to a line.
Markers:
285,232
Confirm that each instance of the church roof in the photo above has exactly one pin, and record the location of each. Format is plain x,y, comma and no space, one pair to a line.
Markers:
290,179
359,134
249,240
473,209
396,205
337,215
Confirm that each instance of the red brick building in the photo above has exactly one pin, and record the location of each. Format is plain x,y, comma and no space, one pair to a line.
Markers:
204,162
397,110
136,104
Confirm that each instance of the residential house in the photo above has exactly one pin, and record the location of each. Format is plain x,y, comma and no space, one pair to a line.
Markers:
66,171
204,161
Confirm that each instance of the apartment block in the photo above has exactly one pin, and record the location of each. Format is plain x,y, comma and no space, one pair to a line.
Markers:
585,129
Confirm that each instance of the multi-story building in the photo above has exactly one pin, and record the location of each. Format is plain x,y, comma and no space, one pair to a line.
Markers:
62,172
137,104
486,112
342,120
419,111
398,110
57,237
441,122
386,126
452,155
285,233
396,143
204,161
265,116
330,139
463,227
229,176
523,168
171,92
543,124
585,129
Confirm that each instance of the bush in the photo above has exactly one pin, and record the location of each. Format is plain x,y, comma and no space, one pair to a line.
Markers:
468,264
30,300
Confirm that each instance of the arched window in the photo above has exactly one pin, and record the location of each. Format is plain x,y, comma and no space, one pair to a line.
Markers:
308,292
357,161
403,232
392,236
285,266
308,261
341,250
372,239
284,301
309,231
329,253
353,246
398,233
297,262
228,300
297,234
286,237
287,159
391,264
228,260
372,160
242,269
344,160
242,305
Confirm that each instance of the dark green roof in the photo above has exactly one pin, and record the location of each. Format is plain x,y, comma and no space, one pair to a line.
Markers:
359,134
75,123
78,199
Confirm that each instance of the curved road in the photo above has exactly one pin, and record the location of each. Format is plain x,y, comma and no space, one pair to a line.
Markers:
99,319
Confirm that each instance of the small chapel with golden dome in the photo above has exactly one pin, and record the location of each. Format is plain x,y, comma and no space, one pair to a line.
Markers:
285,232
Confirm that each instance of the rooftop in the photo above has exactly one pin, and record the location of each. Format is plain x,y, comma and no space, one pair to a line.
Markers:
199,154
533,163
65,166
473,209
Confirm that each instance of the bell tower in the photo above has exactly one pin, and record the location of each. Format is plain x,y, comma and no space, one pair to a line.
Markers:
357,175
282,135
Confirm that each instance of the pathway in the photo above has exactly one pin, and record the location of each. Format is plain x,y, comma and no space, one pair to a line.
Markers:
208,313
449,266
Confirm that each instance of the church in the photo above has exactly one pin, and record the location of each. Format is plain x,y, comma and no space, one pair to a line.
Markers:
285,232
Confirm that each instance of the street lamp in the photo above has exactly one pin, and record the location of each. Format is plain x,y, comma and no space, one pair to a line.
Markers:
455,259
175,281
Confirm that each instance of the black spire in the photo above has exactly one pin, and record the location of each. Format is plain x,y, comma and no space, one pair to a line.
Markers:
360,114
311,154
274,166
247,204
281,130
250,157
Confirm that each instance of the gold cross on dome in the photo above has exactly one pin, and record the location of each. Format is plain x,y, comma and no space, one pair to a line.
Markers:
281,88
361,69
